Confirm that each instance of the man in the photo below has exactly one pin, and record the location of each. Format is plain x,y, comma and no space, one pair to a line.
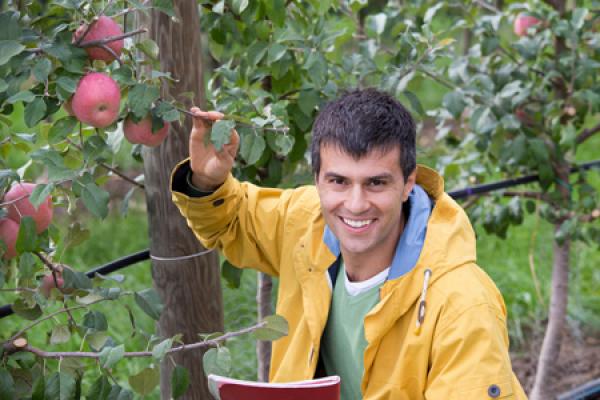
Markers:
376,264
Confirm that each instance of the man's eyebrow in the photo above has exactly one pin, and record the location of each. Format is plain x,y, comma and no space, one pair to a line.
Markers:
333,175
384,176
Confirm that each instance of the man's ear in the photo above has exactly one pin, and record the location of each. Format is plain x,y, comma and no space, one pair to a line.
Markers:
409,185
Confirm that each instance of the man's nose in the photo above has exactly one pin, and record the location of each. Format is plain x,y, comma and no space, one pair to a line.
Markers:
357,201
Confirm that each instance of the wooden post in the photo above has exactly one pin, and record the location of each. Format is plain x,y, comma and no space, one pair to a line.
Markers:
190,288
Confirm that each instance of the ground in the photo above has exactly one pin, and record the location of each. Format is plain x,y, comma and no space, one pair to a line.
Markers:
578,363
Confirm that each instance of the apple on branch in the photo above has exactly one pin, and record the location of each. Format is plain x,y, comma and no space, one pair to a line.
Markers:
9,230
21,206
524,22
141,132
48,283
101,29
96,100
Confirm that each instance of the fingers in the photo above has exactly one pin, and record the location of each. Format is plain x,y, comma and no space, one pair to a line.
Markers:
203,119
234,143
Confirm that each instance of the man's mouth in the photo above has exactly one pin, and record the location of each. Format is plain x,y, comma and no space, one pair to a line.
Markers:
357,223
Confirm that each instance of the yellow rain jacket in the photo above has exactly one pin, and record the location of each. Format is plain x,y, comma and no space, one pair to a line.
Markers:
459,351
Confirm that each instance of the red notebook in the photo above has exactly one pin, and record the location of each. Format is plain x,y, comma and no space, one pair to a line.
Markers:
223,388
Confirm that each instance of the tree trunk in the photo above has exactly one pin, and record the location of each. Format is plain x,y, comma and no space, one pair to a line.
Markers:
190,289
558,303
263,347
556,322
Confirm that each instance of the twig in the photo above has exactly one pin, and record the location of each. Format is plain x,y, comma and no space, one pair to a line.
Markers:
52,315
471,202
10,347
108,39
111,169
18,289
56,269
85,32
108,4
487,6
8,203
527,195
240,120
591,216
112,53
587,133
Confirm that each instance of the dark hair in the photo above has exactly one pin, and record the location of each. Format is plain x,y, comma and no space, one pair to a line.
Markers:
361,121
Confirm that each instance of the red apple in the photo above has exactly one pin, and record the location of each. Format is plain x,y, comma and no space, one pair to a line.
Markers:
9,230
48,283
524,22
141,132
96,100
100,29
23,207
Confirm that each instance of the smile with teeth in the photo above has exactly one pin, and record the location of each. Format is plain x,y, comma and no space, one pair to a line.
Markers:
357,223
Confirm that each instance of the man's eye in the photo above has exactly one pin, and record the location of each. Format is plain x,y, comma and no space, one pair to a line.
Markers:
377,182
336,181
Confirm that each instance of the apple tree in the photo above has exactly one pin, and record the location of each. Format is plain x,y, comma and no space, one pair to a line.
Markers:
85,81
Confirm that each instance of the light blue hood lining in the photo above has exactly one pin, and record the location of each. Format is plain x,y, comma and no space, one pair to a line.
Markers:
411,242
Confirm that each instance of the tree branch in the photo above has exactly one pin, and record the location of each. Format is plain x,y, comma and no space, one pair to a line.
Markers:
587,133
12,347
52,315
112,53
527,195
111,169
109,39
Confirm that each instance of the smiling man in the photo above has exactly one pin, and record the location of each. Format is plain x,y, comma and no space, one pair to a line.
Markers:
376,264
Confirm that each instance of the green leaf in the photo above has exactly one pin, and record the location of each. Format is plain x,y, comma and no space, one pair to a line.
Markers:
54,163
161,349
145,381
276,52
40,193
96,340
239,6
61,129
150,302
3,85
275,328
376,23
100,389
61,386
166,111
284,143
67,84
76,279
7,385
165,6
26,311
430,13
34,112
316,65
415,104
27,239
25,96
180,381
217,361
221,133
9,49
578,18
149,48
252,147
231,274
9,26
42,69
308,101
60,334
256,52
109,356
454,103
141,97
96,321
95,199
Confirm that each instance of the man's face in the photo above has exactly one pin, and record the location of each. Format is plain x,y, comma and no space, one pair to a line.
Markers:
361,200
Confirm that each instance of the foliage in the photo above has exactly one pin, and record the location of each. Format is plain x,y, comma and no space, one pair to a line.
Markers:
41,64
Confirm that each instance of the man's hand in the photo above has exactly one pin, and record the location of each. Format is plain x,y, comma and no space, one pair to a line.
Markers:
209,166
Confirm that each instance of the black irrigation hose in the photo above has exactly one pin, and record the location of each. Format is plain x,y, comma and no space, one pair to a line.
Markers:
470,191
456,194
587,391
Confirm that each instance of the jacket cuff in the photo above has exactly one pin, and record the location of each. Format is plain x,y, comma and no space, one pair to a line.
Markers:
181,181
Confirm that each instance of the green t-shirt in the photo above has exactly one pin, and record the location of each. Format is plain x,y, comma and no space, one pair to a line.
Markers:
344,343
